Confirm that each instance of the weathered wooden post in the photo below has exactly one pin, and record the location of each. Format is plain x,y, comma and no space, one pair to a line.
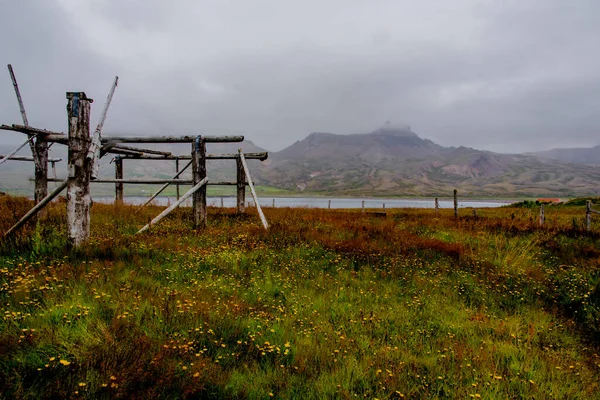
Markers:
222,205
542,215
241,185
588,215
177,171
198,174
384,207
329,205
273,202
437,206
78,189
455,203
118,185
475,213
363,206
41,171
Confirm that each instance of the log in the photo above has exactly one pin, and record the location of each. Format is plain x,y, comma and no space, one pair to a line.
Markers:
12,153
78,190
94,149
198,174
24,158
260,213
119,176
249,156
241,186
166,212
31,213
165,186
171,139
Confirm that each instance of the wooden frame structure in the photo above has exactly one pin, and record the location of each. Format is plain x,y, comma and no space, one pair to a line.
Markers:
84,151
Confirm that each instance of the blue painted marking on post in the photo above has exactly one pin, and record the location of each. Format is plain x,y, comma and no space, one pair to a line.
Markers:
198,138
75,104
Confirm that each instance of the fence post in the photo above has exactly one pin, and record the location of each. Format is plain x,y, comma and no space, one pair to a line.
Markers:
329,205
199,173
222,205
474,213
363,206
118,175
241,185
41,171
177,171
384,207
455,203
78,189
542,215
437,206
588,215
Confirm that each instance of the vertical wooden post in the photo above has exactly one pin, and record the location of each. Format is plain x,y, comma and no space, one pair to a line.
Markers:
241,186
455,203
474,213
222,205
118,175
437,206
588,215
199,173
41,172
177,171
273,202
78,189
542,215
383,206
329,205
363,206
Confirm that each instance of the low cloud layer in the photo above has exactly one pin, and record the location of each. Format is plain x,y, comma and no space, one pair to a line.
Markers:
507,75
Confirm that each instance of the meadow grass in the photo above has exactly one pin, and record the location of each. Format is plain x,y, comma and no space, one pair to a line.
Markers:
326,304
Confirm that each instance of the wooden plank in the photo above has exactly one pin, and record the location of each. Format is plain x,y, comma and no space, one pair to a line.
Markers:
78,190
25,158
227,156
165,186
39,206
31,130
12,153
260,213
166,212
171,139
94,149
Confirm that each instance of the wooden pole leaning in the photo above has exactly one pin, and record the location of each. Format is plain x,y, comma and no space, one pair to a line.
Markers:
163,214
39,148
12,153
260,213
78,189
165,186
31,213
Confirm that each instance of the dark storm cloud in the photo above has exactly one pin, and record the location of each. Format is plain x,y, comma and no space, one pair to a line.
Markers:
499,75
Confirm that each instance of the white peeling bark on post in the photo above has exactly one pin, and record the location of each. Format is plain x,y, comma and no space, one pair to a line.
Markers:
78,190
41,173
542,215
437,205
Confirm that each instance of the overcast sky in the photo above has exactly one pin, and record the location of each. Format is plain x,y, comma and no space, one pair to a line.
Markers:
501,75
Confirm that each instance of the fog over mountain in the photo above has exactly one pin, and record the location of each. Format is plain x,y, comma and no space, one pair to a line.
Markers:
505,76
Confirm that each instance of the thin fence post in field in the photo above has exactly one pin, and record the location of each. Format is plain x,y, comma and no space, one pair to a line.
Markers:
241,186
222,206
273,202
542,215
118,175
199,173
78,188
474,213
588,215
437,206
455,203
363,206
383,206
329,205
177,172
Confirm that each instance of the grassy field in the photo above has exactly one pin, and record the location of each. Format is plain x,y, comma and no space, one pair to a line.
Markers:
326,304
